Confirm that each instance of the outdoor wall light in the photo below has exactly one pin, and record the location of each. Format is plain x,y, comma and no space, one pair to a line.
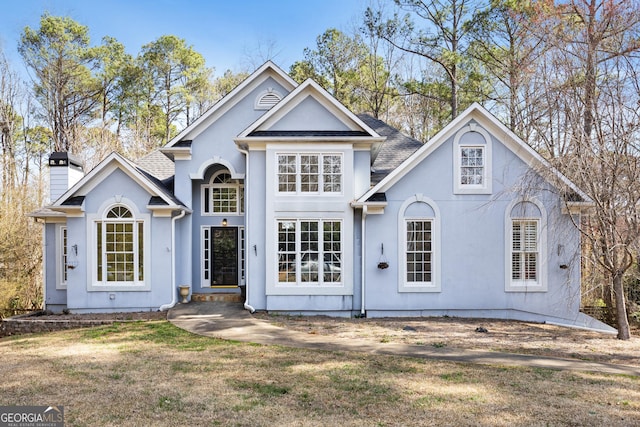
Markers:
224,222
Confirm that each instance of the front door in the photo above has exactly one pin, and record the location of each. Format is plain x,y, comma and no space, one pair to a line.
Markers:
224,256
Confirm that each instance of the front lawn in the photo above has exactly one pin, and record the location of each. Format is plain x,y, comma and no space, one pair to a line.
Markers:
152,373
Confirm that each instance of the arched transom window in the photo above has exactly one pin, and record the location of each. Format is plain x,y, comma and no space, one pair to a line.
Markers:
223,195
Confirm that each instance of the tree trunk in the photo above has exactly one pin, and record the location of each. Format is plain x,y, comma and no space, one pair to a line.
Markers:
621,308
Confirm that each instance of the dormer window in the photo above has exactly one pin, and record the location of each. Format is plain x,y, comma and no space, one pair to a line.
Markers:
267,99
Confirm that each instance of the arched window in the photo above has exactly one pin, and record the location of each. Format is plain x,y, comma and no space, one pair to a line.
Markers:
526,246
472,161
119,247
223,195
419,245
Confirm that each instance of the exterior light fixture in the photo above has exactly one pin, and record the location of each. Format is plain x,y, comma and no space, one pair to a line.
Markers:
224,222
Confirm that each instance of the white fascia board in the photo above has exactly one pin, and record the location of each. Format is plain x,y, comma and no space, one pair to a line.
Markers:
166,211
297,96
526,153
250,141
373,208
177,153
578,208
496,128
422,152
232,98
104,168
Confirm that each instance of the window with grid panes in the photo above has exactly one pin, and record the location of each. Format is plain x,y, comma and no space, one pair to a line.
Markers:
309,173
310,252
120,247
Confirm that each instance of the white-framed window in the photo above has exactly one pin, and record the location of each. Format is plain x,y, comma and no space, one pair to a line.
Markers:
309,252
419,244
419,251
62,257
309,173
222,195
525,246
119,239
472,168
525,251
472,149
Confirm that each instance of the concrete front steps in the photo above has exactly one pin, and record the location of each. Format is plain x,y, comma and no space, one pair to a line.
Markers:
220,297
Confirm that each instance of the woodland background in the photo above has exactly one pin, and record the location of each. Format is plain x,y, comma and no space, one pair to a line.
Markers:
562,75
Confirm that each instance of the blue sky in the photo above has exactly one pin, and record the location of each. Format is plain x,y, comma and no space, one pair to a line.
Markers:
226,32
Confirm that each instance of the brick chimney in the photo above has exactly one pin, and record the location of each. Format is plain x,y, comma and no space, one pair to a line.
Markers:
64,171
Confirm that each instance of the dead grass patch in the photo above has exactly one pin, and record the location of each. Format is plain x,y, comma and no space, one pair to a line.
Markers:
156,374
501,335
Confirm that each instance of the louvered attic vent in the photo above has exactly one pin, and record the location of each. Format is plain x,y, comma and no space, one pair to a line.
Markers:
267,99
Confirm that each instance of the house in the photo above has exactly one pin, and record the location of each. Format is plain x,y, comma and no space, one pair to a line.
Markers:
281,194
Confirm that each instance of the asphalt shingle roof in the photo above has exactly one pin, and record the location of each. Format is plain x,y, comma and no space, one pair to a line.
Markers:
395,150
157,165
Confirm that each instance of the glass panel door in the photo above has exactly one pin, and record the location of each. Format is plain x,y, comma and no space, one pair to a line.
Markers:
224,256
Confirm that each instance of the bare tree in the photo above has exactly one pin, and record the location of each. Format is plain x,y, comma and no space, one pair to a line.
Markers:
439,36
592,68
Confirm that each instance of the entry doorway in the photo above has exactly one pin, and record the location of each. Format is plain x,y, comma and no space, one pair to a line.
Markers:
223,256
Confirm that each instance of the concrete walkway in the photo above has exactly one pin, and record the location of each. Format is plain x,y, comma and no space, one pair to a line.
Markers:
230,321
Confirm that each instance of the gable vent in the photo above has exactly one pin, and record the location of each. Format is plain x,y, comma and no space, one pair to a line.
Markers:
267,99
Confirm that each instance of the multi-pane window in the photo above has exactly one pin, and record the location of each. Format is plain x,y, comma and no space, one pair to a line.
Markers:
419,251
524,251
223,195
287,251
287,172
309,176
332,173
309,173
120,247
310,252
472,166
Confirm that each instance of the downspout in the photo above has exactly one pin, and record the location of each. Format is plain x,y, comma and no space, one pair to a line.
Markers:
173,261
44,263
246,231
363,241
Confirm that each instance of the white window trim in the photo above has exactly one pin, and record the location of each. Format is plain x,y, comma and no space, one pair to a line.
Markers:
211,185
435,285
540,285
93,284
60,262
486,187
299,192
205,282
299,284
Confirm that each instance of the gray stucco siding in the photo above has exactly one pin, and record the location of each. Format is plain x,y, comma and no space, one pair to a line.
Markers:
473,253
83,294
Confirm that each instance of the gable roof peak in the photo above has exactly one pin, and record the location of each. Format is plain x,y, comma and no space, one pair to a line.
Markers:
309,86
268,69
499,130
